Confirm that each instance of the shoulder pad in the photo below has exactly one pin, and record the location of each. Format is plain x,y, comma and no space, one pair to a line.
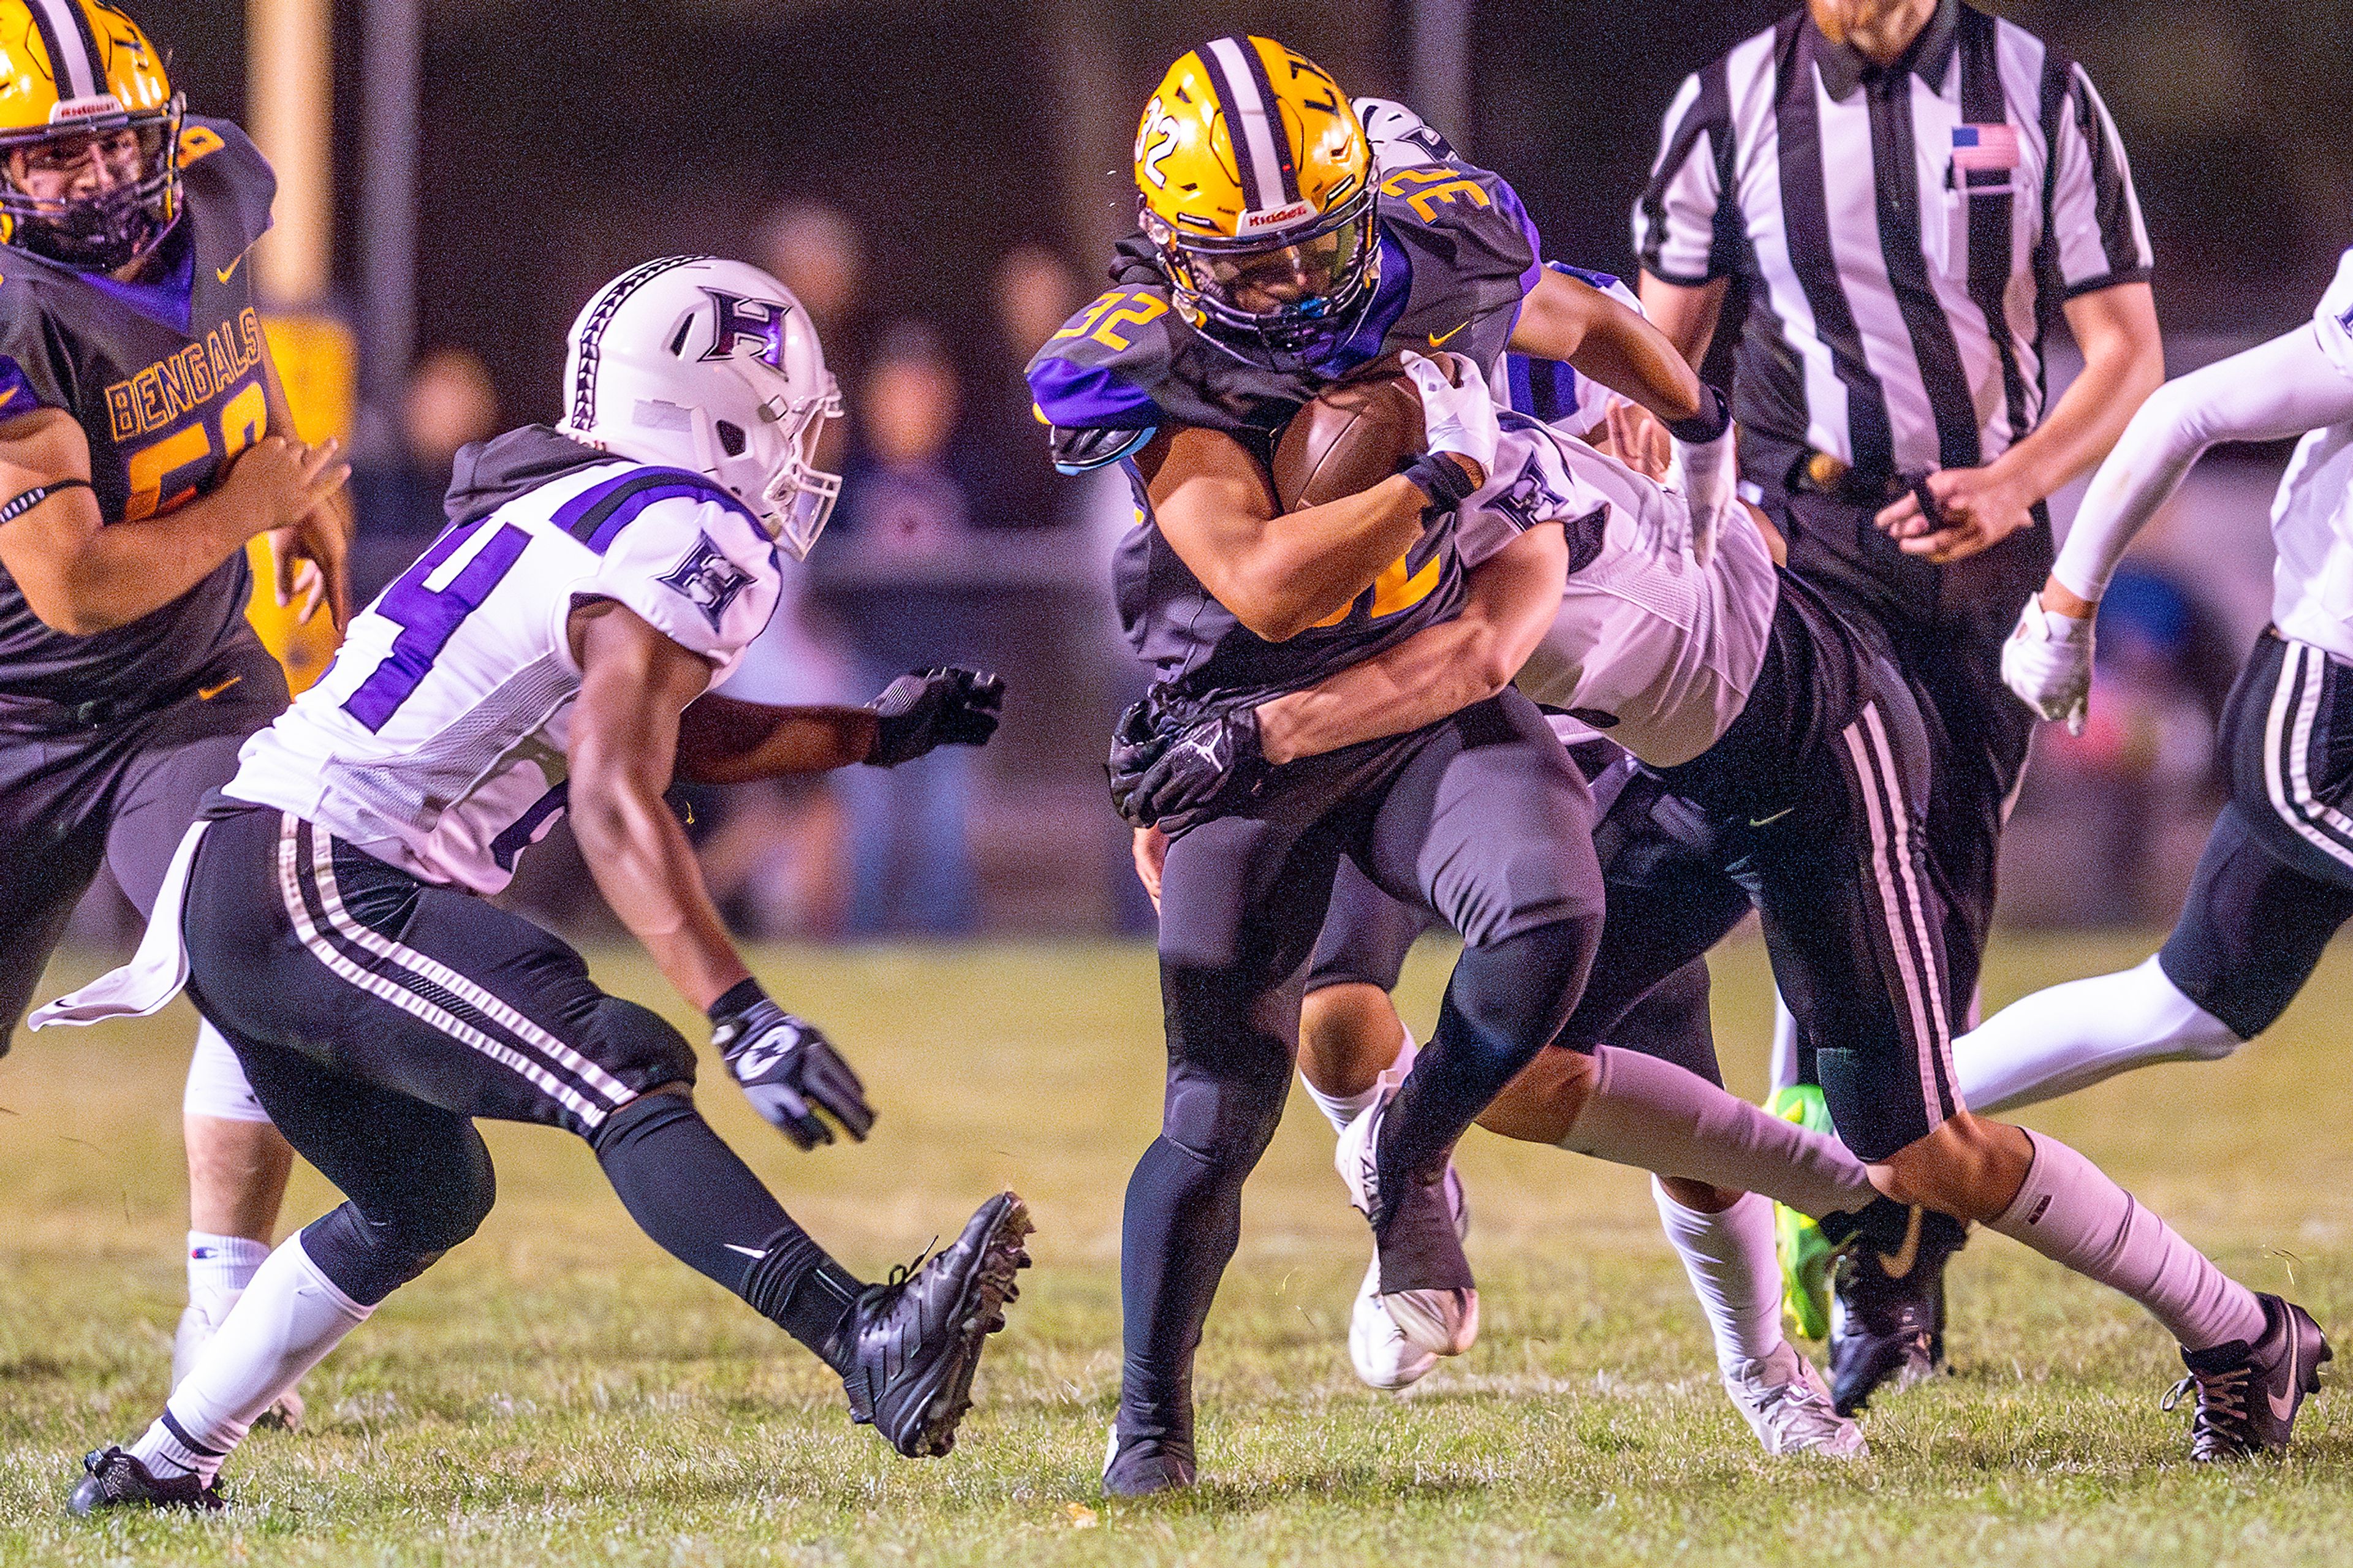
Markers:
36,367
1475,208
1100,371
220,166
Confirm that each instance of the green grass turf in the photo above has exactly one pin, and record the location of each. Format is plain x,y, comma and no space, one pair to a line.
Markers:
559,1391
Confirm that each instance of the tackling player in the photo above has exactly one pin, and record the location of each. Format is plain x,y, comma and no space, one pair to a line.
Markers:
1271,263
143,440
326,912
2276,879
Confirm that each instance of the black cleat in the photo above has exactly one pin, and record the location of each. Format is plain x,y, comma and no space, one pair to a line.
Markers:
1142,1466
116,1478
1889,1325
2247,1394
918,1338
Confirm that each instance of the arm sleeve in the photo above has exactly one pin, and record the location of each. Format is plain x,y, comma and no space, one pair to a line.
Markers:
1686,224
2277,389
2093,233
696,572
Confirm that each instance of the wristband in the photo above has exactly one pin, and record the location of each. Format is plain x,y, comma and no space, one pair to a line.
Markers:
739,998
37,494
1715,417
1443,477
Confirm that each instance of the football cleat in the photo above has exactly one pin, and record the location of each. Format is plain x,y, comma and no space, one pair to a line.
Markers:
1788,1407
194,1333
1884,1329
1425,1279
2248,1394
1384,1358
1142,1466
1806,1253
918,1338
114,1478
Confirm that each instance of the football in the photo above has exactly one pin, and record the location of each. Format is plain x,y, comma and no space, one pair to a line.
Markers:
1352,436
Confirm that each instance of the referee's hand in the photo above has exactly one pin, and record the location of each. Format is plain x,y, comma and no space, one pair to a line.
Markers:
1977,509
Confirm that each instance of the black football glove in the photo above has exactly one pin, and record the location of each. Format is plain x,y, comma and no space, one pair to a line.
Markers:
790,1072
1136,745
1204,769
947,707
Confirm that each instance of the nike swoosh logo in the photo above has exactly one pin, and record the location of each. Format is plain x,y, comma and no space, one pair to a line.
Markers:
225,273
746,1251
2285,1408
207,693
1909,1254
1768,821
1437,340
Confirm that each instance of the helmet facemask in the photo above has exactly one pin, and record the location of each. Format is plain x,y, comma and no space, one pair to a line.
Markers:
111,230
1284,301
799,495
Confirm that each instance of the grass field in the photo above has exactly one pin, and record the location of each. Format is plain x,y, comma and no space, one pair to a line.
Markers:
559,1391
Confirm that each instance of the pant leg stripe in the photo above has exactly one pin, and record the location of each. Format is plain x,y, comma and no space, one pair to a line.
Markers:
1940,1039
385,989
2287,740
1864,771
492,1007
2321,813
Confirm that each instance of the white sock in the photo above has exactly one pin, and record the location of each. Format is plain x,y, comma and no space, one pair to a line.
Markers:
2074,1215
284,1325
1656,1116
219,1268
1734,1272
1340,1110
1785,1044
2071,1036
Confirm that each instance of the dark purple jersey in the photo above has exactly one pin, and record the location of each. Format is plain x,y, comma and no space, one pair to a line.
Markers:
165,378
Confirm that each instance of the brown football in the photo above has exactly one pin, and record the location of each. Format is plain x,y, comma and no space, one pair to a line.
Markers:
1354,434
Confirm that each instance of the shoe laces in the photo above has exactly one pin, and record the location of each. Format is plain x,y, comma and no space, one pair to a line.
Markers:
2220,1421
901,1273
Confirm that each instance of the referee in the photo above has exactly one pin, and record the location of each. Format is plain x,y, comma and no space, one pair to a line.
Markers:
1906,190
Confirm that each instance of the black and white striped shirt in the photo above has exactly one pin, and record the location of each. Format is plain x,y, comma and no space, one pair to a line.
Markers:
1904,233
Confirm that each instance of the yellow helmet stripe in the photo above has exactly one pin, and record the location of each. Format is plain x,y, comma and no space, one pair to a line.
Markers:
73,48
1261,150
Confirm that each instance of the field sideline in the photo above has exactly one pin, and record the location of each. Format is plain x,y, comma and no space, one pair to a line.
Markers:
559,1391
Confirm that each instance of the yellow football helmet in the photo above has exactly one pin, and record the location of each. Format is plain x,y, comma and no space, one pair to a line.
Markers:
90,132
1255,181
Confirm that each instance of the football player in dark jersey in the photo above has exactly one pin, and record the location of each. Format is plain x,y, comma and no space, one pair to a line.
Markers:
1271,263
143,440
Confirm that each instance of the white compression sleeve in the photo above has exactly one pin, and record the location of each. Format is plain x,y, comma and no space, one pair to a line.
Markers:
1733,1272
216,1086
2071,1036
2273,390
1654,1116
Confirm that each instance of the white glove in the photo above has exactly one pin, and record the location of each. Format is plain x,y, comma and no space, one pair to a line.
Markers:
1708,475
1457,415
2048,662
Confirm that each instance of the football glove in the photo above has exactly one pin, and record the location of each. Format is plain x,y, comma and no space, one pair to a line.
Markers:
790,1072
1457,415
2047,660
945,707
1703,467
1189,771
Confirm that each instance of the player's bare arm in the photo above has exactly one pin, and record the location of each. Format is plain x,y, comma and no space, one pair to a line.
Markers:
2123,362
1511,599
1566,318
309,557
635,684
724,739
1685,315
83,576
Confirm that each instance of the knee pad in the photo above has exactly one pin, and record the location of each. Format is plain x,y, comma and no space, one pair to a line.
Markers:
1522,987
217,1082
1226,1123
370,1258
638,1045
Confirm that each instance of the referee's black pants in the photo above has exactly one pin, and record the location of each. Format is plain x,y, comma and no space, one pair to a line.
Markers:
1479,818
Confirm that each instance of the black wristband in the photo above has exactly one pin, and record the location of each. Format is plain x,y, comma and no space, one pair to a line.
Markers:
1715,417
739,998
1445,477
32,498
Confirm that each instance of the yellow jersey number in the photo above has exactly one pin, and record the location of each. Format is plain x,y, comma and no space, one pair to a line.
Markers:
1119,308
153,468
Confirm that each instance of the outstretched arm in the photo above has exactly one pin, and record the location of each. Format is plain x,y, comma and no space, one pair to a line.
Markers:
1566,318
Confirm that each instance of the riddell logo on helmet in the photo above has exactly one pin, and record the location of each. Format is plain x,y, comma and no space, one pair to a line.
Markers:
1274,218
85,108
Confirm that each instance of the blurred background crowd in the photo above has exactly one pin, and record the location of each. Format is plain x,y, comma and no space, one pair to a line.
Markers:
939,184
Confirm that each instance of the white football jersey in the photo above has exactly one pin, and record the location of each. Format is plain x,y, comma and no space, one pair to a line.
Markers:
435,740
2312,516
1651,647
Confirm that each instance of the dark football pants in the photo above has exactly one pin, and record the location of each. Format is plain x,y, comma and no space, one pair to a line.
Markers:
122,796
2276,883
1852,919
1480,819
377,1016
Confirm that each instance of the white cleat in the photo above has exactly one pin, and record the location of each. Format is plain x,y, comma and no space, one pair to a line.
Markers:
1441,1318
1788,1406
1384,1358
194,1333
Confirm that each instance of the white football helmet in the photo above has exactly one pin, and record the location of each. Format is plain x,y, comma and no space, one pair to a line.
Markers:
697,363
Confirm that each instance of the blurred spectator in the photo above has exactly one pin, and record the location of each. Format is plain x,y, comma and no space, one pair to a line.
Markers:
1033,293
449,401
814,250
905,517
